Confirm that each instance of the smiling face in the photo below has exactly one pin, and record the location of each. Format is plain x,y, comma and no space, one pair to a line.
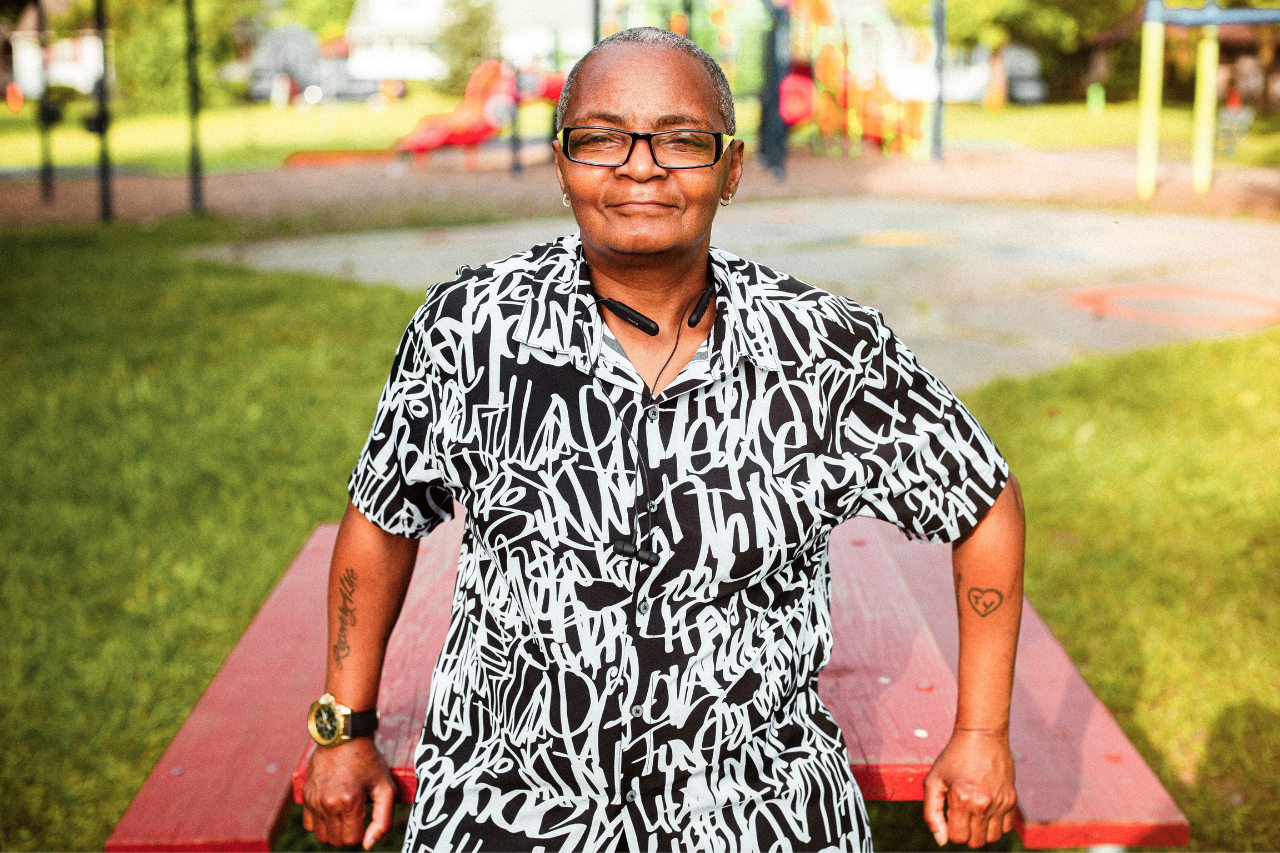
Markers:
632,212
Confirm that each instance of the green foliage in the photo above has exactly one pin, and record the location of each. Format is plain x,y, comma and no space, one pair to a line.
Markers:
1060,31
326,18
468,37
10,10
149,49
1063,33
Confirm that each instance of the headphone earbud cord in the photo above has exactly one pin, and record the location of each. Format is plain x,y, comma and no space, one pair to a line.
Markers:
622,547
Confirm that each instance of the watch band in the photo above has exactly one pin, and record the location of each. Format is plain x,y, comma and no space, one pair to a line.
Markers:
362,723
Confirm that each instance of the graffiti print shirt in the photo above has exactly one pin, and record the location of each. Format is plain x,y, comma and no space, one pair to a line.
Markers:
583,699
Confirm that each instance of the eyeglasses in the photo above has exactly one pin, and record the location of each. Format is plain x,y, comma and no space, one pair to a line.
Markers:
671,149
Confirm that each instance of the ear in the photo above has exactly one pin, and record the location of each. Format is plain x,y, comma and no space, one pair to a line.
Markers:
555,148
736,156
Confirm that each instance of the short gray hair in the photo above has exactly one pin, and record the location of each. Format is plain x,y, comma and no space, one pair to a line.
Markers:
654,37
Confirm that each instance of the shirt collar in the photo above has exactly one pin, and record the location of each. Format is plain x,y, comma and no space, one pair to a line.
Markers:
560,315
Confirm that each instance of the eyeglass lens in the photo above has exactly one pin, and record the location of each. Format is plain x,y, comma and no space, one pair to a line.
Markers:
602,147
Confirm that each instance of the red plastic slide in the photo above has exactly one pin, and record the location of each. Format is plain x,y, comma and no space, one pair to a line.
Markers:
487,106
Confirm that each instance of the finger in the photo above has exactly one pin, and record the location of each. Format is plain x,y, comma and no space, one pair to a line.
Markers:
1008,821
935,796
384,798
978,824
994,829
307,823
334,809
353,822
957,817
332,828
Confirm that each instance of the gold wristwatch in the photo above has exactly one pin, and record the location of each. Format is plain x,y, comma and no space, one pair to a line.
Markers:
331,723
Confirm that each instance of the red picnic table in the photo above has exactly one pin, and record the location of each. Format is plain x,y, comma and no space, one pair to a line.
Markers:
224,781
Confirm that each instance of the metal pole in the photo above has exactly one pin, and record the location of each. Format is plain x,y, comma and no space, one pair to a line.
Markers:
777,58
1205,112
193,102
103,119
1150,95
595,21
44,110
939,63
516,165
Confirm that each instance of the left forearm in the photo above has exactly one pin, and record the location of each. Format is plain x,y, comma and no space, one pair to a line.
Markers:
987,567
969,795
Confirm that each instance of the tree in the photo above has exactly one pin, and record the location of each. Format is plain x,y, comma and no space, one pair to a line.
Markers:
11,10
1066,34
1078,41
468,37
149,43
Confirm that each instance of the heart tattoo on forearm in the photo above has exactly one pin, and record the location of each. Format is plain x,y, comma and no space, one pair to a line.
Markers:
985,601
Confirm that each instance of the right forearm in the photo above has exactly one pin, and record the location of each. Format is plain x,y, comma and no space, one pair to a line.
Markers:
368,579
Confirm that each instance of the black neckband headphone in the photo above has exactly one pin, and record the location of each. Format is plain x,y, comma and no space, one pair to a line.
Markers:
624,547
650,327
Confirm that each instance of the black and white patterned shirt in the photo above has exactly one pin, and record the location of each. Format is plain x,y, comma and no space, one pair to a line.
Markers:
585,700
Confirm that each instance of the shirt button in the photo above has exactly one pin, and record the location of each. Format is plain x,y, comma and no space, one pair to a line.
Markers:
653,413
643,607
636,710
631,796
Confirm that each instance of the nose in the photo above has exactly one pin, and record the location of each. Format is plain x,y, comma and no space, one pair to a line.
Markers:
640,163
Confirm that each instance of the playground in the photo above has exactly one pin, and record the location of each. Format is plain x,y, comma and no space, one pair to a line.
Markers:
170,450
187,394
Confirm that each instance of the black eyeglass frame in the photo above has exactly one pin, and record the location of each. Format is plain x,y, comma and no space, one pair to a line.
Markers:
648,139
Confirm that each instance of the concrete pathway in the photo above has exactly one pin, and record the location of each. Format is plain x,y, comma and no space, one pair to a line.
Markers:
978,290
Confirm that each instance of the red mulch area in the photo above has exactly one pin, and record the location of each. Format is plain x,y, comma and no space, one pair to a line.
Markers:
378,193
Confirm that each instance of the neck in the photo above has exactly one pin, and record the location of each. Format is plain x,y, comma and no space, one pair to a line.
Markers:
663,289
658,286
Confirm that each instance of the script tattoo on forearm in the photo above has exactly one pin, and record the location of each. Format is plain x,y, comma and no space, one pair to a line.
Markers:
346,615
985,601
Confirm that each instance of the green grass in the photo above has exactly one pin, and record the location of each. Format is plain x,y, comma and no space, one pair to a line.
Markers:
247,136
1062,125
260,137
173,429
1154,554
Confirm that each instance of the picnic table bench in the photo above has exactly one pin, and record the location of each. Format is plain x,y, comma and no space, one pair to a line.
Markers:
226,780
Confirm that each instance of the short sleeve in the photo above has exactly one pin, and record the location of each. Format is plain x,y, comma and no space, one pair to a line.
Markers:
929,467
396,483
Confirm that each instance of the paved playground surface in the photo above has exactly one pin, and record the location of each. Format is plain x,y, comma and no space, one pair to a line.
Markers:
978,290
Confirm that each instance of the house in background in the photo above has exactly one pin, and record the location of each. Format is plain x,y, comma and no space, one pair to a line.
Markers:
75,62
395,39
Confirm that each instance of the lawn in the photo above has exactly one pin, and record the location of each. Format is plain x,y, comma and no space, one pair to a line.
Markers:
257,136
246,136
1116,126
173,429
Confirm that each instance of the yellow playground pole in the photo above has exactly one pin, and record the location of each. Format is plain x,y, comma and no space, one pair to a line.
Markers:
1206,110
1150,94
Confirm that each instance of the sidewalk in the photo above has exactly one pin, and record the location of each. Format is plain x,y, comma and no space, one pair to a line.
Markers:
979,290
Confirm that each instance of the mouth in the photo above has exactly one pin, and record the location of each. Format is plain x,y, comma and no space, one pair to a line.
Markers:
641,206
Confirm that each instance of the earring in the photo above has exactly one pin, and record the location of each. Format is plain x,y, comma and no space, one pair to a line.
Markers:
564,199
725,202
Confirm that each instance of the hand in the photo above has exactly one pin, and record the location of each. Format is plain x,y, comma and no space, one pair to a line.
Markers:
339,781
973,778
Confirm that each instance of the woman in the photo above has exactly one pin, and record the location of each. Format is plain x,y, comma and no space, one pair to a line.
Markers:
652,440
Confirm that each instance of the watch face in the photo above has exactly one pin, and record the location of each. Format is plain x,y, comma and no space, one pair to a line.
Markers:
327,724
